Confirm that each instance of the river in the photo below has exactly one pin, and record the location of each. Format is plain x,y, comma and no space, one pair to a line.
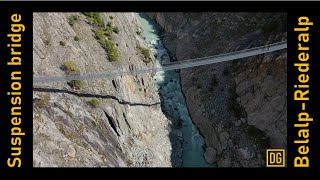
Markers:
173,100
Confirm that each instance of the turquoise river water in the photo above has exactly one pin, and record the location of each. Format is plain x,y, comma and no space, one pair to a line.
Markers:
173,100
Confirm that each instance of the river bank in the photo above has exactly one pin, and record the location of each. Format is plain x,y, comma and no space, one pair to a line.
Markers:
187,143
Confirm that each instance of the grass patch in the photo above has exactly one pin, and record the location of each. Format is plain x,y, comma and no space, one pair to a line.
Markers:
76,84
129,162
99,34
72,136
94,18
62,43
43,101
72,19
116,29
109,24
94,123
94,103
62,131
76,38
108,45
82,128
113,53
145,52
108,31
69,67
85,145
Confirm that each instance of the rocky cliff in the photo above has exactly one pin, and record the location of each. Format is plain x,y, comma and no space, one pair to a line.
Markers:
239,107
114,121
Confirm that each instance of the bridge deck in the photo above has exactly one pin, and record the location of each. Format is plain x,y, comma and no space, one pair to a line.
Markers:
174,65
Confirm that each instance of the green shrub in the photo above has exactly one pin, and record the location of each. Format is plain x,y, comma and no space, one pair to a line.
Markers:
72,19
94,123
62,43
76,84
89,14
76,38
108,30
145,52
116,30
109,24
99,22
129,162
108,45
94,103
95,18
113,53
99,35
69,67
139,33
62,131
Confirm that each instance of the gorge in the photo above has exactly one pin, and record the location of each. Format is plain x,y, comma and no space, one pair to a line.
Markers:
219,115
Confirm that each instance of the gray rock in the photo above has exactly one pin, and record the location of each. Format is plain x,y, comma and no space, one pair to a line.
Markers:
210,155
71,151
243,120
237,123
257,83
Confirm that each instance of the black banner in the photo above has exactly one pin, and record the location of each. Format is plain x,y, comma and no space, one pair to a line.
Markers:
303,97
303,67
16,91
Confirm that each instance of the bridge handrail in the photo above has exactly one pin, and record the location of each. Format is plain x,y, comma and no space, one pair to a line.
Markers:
229,53
169,66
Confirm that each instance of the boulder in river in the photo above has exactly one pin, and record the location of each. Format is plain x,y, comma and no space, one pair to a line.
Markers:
210,155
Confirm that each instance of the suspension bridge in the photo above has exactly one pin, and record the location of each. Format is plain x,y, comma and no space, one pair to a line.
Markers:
173,65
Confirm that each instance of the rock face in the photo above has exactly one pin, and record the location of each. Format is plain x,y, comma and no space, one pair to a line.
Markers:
125,127
239,107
